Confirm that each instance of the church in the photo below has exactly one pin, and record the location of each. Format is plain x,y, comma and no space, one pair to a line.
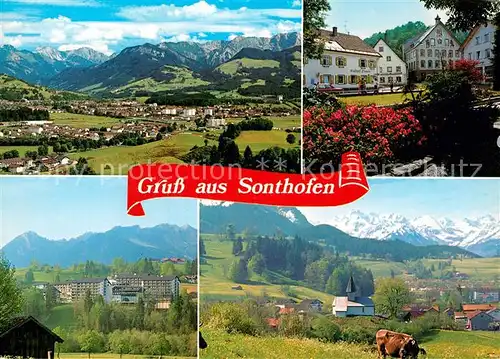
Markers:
353,305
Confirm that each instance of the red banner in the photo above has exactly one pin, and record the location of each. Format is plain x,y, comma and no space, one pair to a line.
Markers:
234,184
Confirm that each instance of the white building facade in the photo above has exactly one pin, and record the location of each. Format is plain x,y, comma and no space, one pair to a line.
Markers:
390,67
345,62
431,52
479,47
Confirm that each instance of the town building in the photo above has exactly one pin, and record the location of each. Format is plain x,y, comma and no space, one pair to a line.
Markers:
75,290
495,314
431,51
352,305
216,122
479,46
486,296
479,321
470,308
346,60
310,305
189,112
157,287
126,294
390,67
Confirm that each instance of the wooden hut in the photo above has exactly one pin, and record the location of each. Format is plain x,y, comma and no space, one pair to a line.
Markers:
26,337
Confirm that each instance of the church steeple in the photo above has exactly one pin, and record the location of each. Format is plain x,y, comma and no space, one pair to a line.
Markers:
438,19
351,289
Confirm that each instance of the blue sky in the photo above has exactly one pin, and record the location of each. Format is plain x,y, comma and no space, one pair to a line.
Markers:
110,25
366,17
59,207
452,198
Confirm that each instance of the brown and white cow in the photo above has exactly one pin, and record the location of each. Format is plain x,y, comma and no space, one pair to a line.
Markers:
397,345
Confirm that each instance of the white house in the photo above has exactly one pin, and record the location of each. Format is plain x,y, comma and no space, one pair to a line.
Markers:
430,51
353,305
479,46
390,67
189,112
346,60
216,122
209,112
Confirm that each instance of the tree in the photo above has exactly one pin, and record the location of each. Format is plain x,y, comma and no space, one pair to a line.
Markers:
314,19
34,303
203,251
50,299
391,295
29,277
230,232
43,150
238,272
248,158
11,299
91,342
237,246
257,264
290,138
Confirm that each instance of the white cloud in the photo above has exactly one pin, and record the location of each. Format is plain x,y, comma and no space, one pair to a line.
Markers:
232,37
97,46
201,34
297,3
72,3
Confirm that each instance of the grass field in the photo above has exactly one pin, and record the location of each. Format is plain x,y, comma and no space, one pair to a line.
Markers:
215,286
279,122
477,268
444,345
260,140
365,100
82,121
109,356
21,149
232,67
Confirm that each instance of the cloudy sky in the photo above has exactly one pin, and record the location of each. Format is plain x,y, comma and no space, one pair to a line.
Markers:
66,207
366,17
110,25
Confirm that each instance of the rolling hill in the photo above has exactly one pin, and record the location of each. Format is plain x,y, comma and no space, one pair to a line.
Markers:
129,243
265,220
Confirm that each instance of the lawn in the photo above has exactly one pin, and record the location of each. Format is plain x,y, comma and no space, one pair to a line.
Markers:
282,122
109,356
82,121
215,286
21,149
443,345
232,67
381,268
261,140
61,316
478,268
389,99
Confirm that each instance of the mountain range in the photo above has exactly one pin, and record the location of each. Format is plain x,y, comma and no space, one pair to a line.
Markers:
157,67
129,243
266,220
480,235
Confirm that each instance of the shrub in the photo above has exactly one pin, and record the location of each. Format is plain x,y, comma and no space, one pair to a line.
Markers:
314,98
294,325
324,328
378,134
230,317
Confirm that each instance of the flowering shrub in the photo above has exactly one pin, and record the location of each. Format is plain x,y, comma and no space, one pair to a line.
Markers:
470,69
378,134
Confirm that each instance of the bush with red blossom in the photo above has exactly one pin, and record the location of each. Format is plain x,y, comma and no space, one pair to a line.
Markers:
380,135
470,68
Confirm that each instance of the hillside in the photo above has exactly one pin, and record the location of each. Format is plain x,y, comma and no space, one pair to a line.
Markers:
399,35
145,69
129,243
13,89
265,220
38,66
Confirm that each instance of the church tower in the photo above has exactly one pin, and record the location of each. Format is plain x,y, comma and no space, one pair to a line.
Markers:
351,290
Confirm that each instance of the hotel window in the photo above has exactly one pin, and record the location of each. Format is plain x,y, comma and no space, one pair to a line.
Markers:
362,63
446,42
457,53
486,37
478,40
353,79
382,80
340,79
450,54
429,64
390,79
429,53
427,43
398,79
487,53
437,64
422,63
326,60
433,42
388,58
443,53
380,49
437,53
398,68
452,44
389,68
422,52
440,42
478,55
340,61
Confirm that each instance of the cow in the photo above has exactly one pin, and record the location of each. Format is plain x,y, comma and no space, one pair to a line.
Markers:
397,345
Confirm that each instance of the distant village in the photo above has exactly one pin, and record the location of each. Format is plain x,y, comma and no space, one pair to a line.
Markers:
348,60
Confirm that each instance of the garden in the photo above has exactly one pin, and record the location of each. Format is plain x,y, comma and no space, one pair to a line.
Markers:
449,125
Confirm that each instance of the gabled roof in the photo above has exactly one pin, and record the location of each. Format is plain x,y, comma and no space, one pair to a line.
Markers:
417,40
476,307
17,322
385,44
346,43
476,313
473,33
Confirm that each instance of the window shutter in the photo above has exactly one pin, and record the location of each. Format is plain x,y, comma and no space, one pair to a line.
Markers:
329,60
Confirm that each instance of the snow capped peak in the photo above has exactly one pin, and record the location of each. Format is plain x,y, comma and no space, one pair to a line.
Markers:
50,53
210,203
421,230
288,214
